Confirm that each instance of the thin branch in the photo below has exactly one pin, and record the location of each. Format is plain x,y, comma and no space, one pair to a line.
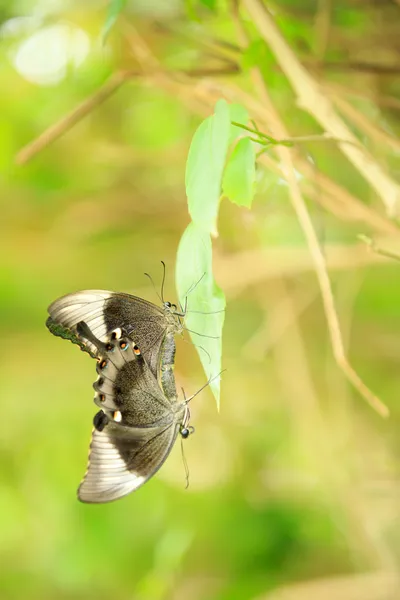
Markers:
281,316
364,124
363,67
365,93
289,142
254,267
55,131
72,118
310,99
372,244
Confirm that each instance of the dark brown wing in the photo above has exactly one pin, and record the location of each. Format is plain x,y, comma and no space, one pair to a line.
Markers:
126,389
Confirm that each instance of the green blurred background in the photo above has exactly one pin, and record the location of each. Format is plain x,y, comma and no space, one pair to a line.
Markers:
294,485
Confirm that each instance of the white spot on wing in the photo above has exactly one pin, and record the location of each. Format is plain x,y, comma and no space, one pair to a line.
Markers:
117,416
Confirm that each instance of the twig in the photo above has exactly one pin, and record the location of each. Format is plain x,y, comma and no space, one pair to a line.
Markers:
308,228
365,124
363,67
371,243
253,267
379,99
289,142
55,131
310,99
58,129
265,338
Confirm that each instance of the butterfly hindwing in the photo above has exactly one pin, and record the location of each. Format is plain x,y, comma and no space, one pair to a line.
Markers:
125,385
121,459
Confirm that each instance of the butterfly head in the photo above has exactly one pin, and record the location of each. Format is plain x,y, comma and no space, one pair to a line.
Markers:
185,429
172,309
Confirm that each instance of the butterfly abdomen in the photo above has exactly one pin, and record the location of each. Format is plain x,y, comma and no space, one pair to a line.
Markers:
167,364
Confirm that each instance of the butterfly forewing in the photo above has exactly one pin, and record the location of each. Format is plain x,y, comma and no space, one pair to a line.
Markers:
152,327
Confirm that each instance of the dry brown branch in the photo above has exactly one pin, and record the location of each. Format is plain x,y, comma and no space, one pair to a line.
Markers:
340,199
379,99
290,355
378,250
346,296
279,131
195,36
237,272
332,196
363,123
58,129
55,131
363,67
311,99
281,315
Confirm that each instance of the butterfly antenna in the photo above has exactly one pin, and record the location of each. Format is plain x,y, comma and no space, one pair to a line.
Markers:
189,291
194,285
184,310
163,281
185,465
200,312
154,287
212,337
187,400
200,348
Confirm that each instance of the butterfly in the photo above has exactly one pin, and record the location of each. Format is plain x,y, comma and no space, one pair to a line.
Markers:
137,425
152,327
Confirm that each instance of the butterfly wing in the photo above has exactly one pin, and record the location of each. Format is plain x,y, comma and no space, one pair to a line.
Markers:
121,459
104,311
126,389
137,426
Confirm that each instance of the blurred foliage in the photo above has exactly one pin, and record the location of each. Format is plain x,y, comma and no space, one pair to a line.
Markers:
294,486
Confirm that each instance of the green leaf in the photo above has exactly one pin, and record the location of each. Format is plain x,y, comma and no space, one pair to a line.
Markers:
205,165
114,9
194,264
240,174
